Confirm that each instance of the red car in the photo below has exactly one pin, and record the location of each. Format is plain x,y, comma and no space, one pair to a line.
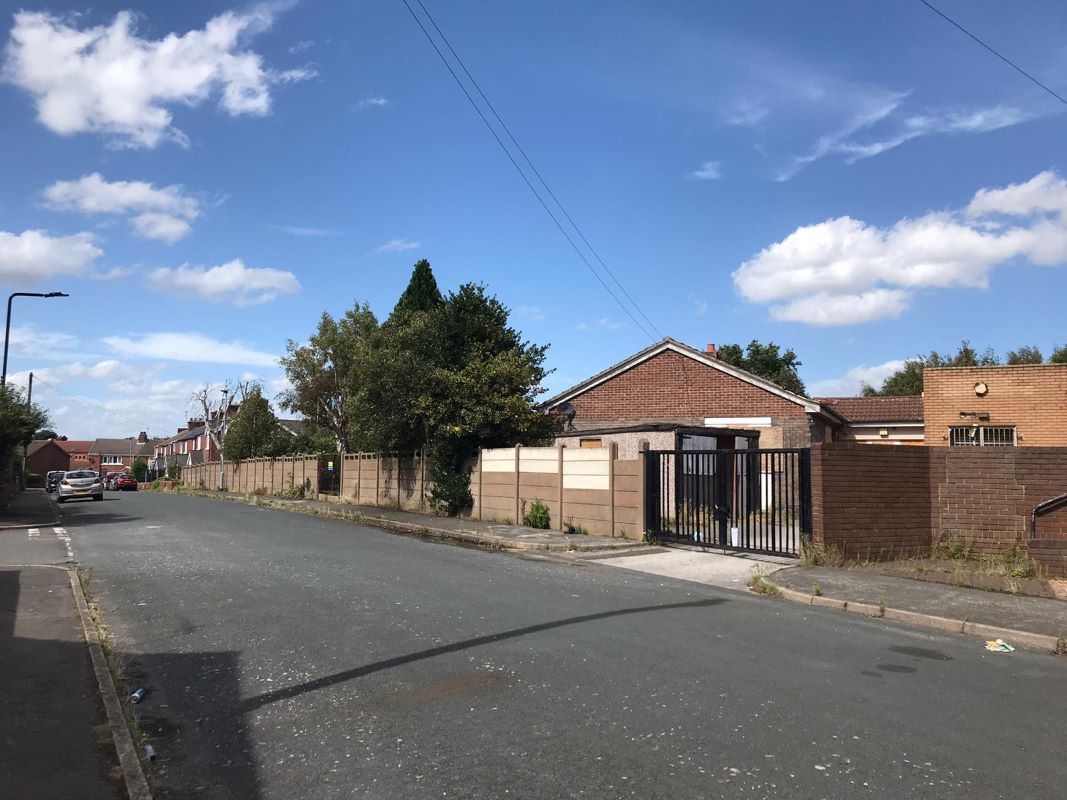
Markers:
125,483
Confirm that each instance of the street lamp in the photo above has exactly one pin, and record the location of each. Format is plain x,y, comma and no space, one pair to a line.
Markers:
7,329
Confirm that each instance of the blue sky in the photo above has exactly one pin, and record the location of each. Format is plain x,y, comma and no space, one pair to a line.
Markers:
858,181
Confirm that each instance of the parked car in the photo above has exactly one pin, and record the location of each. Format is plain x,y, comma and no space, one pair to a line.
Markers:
79,484
52,480
109,480
125,483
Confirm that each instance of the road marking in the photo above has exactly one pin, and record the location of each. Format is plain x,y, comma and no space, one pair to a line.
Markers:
61,534
33,533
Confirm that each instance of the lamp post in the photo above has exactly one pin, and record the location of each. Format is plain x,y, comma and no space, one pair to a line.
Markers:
7,328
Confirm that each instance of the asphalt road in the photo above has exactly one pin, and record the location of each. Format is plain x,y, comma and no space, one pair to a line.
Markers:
288,656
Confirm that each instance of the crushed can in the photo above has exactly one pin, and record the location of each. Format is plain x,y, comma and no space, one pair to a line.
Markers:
137,696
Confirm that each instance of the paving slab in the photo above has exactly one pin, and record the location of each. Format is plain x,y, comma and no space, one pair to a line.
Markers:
1033,614
54,740
29,507
698,565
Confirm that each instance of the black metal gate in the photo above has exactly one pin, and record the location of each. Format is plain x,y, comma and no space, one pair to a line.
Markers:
757,500
330,473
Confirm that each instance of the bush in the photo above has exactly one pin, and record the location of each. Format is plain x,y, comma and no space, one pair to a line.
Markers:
538,516
575,530
139,471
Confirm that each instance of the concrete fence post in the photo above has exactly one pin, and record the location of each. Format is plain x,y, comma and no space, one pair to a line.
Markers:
642,466
377,477
559,488
359,477
518,479
480,489
422,478
613,453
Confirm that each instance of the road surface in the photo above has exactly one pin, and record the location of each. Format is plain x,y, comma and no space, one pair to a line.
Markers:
288,656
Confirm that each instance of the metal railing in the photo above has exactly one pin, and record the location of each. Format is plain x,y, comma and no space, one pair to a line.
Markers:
757,500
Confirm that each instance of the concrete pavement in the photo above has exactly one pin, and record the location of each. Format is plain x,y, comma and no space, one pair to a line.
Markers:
294,656
55,740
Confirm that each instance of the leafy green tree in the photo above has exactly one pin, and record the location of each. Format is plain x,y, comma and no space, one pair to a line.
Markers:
448,380
324,371
421,294
1025,355
767,361
18,421
139,471
254,431
45,433
908,380
1059,355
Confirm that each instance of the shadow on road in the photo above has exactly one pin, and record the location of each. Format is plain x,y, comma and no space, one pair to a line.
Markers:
252,703
96,513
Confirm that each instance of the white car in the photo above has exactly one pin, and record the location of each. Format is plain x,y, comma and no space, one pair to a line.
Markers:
79,483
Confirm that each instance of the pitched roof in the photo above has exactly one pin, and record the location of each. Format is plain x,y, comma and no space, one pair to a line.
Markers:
294,426
114,447
37,444
75,445
908,408
707,359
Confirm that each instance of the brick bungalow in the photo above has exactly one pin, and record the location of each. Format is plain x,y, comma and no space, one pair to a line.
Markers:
879,420
676,396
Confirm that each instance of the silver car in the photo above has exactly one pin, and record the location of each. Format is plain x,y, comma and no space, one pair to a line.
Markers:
79,483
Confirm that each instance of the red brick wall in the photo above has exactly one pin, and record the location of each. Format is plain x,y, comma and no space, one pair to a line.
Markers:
671,385
47,459
1033,398
875,502
871,502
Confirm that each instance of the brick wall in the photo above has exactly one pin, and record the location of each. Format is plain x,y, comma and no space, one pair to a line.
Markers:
1033,398
670,385
879,502
871,502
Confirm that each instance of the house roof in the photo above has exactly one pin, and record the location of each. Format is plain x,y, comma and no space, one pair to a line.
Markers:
115,447
192,433
37,444
74,445
707,359
294,426
908,408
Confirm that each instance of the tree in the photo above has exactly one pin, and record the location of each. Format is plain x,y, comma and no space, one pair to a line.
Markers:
139,470
18,421
254,431
1025,355
767,361
1059,355
421,294
216,403
45,433
325,370
908,380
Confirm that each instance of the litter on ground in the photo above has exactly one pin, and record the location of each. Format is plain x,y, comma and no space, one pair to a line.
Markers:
999,646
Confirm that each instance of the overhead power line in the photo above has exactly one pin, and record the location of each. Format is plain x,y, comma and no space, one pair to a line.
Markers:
992,50
540,199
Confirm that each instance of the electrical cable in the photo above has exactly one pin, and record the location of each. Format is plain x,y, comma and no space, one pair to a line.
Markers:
536,172
1003,58
522,174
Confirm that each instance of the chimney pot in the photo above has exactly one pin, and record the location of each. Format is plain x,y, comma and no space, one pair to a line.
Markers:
711,349
142,437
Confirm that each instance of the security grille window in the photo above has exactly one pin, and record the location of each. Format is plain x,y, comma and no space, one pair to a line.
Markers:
982,436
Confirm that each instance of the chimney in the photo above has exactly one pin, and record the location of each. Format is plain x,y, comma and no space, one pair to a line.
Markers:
182,430
711,350
142,437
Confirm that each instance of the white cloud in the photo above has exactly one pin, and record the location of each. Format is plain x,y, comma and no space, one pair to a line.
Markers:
844,271
298,230
530,312
878,107
300,47
700,306
294,75
34,256
194,347
232,282
853,381
603,323
398,246
27,340
372,102
162,213
707,171
176,390
107,79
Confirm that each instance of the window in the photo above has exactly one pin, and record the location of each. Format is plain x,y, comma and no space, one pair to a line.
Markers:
589,443
112,460
982,436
